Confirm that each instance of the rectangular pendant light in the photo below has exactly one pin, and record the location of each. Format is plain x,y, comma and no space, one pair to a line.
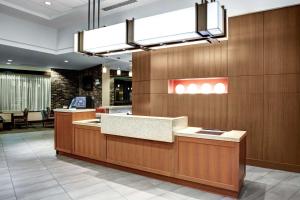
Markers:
211,21
176,26
78,42
106,39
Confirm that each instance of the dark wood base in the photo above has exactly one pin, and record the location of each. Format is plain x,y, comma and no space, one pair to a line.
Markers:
272,165
156,176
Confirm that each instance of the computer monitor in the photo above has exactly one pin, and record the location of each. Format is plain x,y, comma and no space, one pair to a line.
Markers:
82,102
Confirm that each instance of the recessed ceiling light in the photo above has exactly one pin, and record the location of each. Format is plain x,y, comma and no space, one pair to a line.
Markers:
48,3
8,63
66,61
9,60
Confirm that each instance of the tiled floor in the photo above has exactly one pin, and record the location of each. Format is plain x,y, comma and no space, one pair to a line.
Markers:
29,169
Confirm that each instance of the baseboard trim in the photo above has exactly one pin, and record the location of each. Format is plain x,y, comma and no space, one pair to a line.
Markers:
273,165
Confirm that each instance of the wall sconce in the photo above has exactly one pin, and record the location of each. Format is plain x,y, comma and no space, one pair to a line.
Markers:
130,74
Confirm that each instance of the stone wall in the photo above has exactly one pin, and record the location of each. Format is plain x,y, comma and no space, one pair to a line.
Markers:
96,92
64,87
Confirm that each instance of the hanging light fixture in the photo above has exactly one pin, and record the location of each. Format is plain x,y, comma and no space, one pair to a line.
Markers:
106,39
204,22
104,70
78,42
119,72
177,28
212,19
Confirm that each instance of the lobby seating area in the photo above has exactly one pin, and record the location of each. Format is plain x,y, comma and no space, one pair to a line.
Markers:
27,119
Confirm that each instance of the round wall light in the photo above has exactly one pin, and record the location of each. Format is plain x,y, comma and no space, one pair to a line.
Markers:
192,88
179,89
206,88
219,88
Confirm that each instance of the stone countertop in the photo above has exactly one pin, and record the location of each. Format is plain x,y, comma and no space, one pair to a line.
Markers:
115,107
144,117
74,110
142,127
89,122
231,136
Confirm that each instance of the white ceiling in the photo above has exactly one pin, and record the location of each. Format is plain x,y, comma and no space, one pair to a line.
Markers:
60,8
40,9
64,14
28,58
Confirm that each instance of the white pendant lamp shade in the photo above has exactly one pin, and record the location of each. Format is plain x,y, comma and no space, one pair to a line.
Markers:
104,70
165,28
119,72
106,39
215,19
201,22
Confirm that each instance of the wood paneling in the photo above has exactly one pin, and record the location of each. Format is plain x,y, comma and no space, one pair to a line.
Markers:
291,141
159,105
274,127
282,41
159,86
178,105
63,132
64,128
141,63
159,64
141,104
214,163
245,112
150,156
208,111
141,87
261,59
246,85
282,83
245,45
180,62
141,83
89,142
206,60
210,60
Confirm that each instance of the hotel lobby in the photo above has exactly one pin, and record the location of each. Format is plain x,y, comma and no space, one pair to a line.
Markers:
149,100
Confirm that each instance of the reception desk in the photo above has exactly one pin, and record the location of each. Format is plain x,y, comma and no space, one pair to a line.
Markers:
63,126
142,127
164,148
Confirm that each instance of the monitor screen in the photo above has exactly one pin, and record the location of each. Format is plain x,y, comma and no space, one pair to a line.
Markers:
78,102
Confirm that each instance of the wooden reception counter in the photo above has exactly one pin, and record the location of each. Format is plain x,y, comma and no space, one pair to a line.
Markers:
212,161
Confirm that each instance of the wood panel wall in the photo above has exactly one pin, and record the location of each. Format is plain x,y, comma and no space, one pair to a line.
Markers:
261,59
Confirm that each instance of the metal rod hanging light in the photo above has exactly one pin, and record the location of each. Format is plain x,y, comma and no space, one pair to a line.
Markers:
205,21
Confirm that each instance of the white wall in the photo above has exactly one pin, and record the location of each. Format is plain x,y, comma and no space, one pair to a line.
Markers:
24,34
